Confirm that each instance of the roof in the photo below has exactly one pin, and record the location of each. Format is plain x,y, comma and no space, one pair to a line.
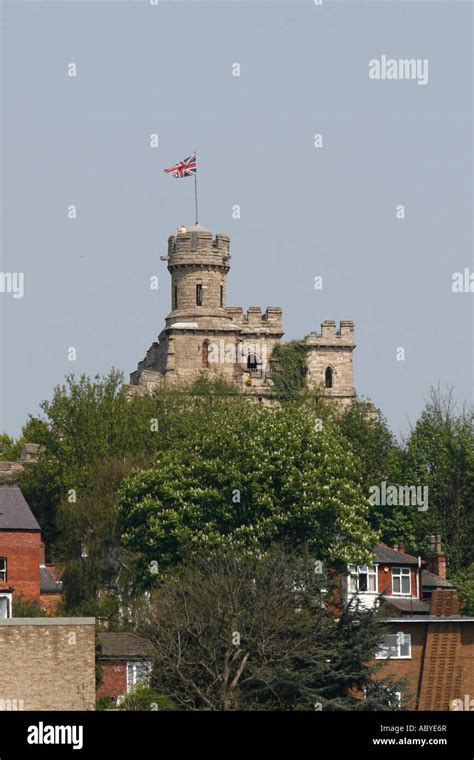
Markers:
429,619
434,581
15,513
124,645
407,604
48,584
385,554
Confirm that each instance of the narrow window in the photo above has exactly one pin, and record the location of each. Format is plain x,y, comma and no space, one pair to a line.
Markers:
205,355
199,294
3,569
222,295
328,377
252,363
175,296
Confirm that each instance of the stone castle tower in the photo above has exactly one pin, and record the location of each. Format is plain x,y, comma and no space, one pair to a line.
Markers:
204,335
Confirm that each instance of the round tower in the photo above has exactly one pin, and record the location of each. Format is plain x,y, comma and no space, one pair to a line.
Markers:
198,264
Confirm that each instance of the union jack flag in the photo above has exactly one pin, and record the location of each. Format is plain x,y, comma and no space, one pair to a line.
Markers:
185,168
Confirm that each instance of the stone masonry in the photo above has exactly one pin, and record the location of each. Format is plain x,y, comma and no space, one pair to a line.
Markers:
204,335
47,664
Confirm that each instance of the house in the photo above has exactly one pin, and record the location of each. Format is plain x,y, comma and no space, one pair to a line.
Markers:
23,570
125,660
428,641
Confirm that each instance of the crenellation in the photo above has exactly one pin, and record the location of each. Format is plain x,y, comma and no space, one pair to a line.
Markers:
204,335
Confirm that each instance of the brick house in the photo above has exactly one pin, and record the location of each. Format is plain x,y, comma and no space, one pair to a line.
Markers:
428,641
23,570
125,660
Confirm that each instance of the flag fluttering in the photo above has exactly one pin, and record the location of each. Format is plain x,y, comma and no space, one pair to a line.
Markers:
185,168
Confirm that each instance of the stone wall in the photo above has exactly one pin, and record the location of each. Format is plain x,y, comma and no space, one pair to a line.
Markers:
48,663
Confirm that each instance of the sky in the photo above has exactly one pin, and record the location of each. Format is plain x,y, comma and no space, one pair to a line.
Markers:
305,211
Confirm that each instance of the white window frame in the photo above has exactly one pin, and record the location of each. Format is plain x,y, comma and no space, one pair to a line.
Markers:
3,571
395,642
403,572
145,666
8,599
355,571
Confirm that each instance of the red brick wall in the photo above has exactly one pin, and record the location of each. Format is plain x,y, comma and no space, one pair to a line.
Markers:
410,669
50,602
385,580
114,678
467,649
23,552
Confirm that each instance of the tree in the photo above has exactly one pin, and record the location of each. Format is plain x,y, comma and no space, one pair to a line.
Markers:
439,454
9,448
233,631
289,377
464,582
247,476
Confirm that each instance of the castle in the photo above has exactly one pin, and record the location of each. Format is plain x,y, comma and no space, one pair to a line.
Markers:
204,335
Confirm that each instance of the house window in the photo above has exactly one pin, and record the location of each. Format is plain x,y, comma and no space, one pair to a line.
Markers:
395,646
401,580
4,607
3,569
199,294
175,296
138,673
222,295
362,578
328,377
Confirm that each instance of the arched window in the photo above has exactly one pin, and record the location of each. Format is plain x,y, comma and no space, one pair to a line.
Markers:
328,377
205,355
252,362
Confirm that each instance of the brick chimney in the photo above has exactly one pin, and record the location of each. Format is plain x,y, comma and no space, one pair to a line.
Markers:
436,559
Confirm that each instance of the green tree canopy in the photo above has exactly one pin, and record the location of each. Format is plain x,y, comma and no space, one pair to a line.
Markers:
248,476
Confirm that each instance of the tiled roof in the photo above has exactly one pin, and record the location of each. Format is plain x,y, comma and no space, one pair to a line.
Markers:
48,584
124,645
410,605
385,554
15,513
431,580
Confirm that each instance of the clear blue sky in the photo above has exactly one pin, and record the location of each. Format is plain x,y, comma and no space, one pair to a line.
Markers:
143,69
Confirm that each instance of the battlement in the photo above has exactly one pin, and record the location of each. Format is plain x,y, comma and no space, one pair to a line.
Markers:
254,318
330,335
197,245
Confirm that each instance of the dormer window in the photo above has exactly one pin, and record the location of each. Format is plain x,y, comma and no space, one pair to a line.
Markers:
362,579
401,581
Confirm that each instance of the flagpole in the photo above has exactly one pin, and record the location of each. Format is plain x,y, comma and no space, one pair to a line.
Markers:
196,191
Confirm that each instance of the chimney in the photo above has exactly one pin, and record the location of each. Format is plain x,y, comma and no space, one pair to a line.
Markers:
42,554
436,559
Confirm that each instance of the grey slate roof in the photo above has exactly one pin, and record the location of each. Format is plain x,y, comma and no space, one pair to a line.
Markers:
15,513
48,584
415,606
430,580
391,556
124,646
